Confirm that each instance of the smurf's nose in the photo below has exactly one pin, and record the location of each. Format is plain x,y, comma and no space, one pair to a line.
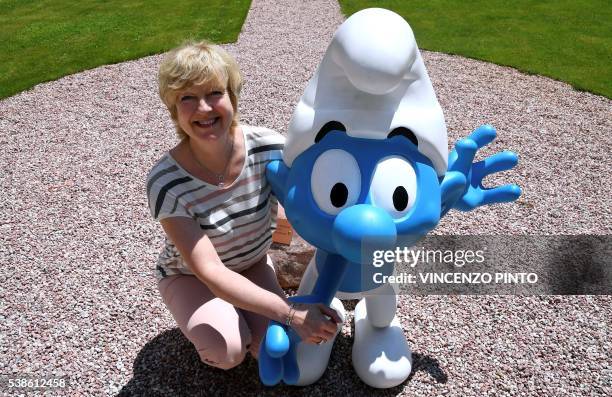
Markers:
360,230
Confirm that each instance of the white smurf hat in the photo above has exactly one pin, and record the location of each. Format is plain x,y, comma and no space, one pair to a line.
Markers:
372,80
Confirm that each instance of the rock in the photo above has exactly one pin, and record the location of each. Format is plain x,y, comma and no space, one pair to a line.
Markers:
290,261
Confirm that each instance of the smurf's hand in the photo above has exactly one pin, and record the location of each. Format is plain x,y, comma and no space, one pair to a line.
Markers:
277,359
462,185
274,351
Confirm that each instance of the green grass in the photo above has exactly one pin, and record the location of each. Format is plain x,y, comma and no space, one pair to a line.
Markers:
568,40
42,40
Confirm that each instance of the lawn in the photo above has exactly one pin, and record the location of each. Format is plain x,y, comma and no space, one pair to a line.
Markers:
42,40
568,40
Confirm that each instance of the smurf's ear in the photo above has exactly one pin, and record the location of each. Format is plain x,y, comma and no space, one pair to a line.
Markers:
277,173
329,127
406,133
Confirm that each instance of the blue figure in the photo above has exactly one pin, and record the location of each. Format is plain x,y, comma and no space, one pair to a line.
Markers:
366,167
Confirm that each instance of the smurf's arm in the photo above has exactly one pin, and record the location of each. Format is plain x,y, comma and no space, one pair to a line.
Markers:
277,173
330,275
277,354
462,186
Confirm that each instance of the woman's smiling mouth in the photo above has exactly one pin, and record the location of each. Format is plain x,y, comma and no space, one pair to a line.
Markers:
206,123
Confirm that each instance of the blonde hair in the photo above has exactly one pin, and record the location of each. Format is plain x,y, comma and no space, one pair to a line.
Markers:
198,63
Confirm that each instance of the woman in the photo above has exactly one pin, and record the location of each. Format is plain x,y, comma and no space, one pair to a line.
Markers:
214,203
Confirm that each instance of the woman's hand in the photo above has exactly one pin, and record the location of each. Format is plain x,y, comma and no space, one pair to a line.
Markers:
315,322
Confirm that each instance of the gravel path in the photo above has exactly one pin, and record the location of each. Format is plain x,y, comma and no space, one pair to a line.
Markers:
77,246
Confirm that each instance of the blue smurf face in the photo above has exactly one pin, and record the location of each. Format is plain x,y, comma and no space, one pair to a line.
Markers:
344,192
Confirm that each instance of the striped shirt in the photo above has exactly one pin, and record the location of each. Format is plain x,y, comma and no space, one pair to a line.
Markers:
238,220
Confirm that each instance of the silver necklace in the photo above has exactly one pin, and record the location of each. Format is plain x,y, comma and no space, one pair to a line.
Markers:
219,176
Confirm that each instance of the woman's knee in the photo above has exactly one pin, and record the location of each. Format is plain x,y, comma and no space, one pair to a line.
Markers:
216,349
227,361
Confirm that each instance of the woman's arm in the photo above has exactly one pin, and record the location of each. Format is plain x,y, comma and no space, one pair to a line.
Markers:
200,255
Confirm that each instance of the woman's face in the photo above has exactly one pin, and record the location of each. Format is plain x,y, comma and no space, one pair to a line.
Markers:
205,113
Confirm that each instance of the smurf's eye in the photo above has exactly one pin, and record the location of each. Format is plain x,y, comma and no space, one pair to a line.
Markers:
394,186
400,198
338,194
335,181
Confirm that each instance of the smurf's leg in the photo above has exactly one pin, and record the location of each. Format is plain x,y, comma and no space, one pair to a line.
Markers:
313,359
381,306
381,355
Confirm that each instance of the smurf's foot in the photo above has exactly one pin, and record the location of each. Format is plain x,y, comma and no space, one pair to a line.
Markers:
381,356
313,359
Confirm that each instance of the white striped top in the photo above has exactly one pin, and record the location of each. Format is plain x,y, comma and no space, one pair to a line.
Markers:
238,220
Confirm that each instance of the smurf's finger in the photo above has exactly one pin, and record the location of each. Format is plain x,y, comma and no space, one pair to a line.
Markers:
471,200
496,163
483,135
501,194
451,189
452,157
466,150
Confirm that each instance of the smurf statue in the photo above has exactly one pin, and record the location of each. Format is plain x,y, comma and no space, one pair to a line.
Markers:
365,167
